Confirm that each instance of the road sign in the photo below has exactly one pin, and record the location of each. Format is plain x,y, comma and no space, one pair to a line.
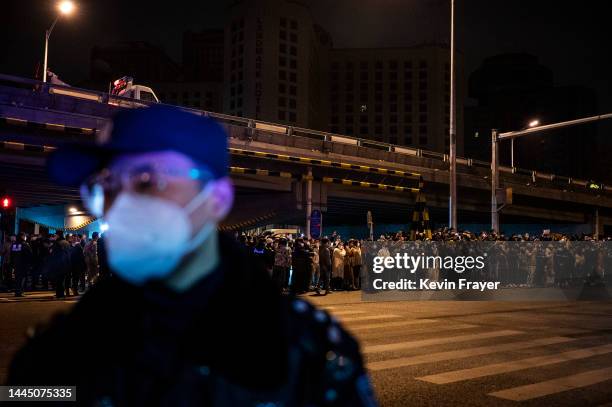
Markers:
315,224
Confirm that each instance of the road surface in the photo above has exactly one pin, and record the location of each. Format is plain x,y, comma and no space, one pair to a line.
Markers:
444,353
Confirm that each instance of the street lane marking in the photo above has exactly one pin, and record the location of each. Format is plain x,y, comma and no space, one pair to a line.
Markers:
421,329
438,341
369,317
541,389
347,312
465,353
391,324
521,364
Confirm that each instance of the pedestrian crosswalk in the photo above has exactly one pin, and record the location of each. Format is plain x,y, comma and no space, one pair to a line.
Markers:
417,344
465,353
514,365
561,384
538,361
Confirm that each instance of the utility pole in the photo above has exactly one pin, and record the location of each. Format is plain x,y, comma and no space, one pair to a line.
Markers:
494,181
452,204
308,201
47,36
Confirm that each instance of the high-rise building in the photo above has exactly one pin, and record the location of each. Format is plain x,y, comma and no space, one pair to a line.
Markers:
396,95
203,55
280,66
275,59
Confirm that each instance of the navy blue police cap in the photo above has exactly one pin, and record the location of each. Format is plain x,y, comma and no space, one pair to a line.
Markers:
150,129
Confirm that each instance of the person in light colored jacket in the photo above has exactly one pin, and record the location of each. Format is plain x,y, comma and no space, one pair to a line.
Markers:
338,266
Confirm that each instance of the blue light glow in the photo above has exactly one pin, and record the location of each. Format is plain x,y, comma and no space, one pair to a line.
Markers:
194,173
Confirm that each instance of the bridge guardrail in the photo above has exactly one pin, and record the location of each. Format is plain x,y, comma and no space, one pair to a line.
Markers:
103,97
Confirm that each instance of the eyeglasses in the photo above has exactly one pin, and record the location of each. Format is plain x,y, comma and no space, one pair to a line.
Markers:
145,179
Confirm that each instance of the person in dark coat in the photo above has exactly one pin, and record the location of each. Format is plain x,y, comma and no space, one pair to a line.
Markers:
58,264
301,267
187,317
21,262
325,266
77,265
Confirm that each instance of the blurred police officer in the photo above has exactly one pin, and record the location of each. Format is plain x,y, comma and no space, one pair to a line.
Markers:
21,261
187,318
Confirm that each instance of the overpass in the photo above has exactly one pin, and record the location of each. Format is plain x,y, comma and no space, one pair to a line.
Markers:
272,164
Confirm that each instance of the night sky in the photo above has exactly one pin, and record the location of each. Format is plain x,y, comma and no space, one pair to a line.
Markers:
572,38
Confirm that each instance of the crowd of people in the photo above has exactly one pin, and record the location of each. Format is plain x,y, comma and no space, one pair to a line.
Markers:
446,234
68,264
300,265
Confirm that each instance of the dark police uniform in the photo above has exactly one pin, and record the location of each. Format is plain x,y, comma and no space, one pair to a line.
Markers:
231,340
21,261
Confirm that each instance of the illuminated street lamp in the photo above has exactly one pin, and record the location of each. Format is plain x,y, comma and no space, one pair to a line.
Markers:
64,8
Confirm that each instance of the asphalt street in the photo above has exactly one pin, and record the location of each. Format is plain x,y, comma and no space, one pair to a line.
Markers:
443,353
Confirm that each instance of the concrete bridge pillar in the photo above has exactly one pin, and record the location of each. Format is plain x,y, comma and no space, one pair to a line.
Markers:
318,196
597,229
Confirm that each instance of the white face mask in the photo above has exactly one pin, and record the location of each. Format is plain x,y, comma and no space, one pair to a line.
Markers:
147,237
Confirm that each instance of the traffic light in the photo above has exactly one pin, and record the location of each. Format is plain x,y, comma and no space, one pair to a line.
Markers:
7,213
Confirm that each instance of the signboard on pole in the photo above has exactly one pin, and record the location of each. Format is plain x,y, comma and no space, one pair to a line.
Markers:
315,224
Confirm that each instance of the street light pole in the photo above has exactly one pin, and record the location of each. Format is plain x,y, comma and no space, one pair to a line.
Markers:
494,181
65,7
512,153
47,35
536,128
308,202
452,204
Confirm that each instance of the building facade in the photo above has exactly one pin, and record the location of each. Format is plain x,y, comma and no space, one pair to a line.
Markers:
280,67
275,59
395,95
203,55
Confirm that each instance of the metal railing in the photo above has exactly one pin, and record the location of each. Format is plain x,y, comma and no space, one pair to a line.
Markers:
105,98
